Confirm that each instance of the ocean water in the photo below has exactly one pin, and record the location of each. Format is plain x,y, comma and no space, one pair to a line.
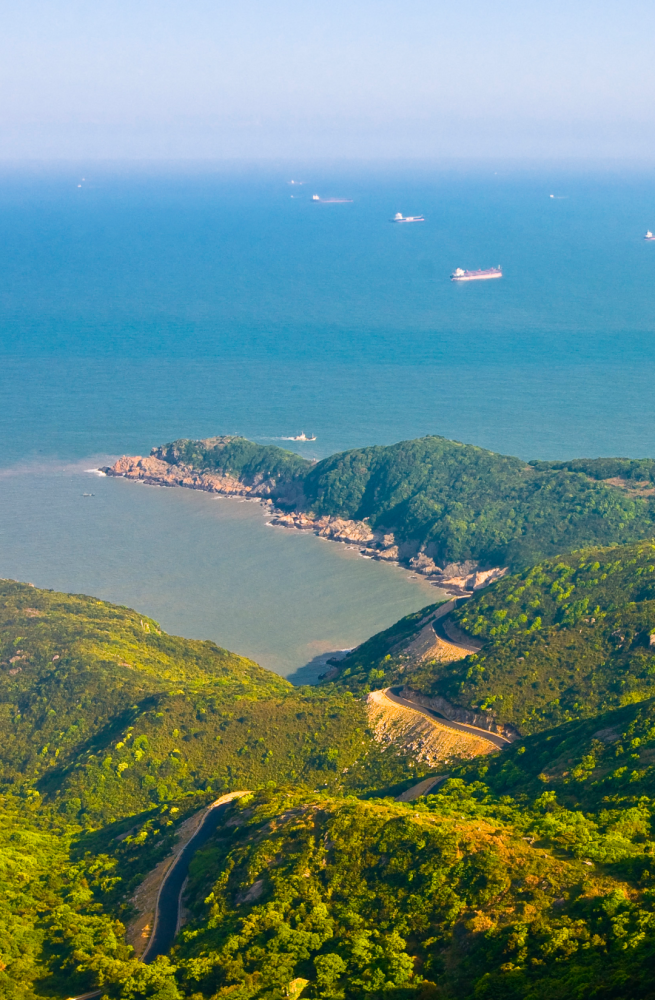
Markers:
140,304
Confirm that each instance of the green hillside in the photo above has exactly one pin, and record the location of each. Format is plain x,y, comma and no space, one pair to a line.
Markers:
236,456
528,874
566,639
102,709
456,501
110,728
468,894
634,472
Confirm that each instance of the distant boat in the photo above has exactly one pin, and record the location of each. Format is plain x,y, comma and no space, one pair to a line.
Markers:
332,201
649,236
399,217
490,272
300,437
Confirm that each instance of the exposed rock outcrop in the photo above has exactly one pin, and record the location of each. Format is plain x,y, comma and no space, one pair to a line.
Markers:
156,472
337,528
460,578
456,714
398,727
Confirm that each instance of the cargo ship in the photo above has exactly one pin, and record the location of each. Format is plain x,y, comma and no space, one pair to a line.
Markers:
649,236
490,272
399,217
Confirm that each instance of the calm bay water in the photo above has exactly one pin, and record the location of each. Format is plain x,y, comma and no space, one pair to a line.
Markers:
204,566
148,304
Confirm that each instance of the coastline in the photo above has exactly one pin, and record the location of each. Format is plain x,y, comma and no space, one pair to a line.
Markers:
455,579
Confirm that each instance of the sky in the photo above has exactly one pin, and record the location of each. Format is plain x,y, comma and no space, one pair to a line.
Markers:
387,79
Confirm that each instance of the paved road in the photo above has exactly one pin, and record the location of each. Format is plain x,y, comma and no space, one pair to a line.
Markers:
445,631
461,727
168,901
423,788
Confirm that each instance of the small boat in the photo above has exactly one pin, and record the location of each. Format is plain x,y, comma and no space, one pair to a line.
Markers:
490,272
649,236
332,201
399,217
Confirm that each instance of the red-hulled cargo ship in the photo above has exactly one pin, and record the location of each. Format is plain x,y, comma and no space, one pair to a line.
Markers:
491,272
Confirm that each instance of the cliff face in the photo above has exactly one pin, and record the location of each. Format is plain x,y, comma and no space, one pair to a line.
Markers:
157,472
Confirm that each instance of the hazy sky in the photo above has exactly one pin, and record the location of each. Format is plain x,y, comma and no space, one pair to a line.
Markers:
301,78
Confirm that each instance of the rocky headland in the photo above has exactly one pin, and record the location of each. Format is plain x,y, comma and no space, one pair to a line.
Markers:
457,579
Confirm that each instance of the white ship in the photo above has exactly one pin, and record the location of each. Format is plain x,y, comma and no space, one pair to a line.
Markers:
649,236
300,437
490,272
331,201
399,217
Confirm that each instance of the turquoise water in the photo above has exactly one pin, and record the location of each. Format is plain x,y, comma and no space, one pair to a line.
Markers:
149,304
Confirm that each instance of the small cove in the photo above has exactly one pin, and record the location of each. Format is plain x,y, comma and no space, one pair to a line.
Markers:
205,567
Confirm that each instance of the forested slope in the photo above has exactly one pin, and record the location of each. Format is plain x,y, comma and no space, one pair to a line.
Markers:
566,639
469,894
111,732
237,457
453,501
526,875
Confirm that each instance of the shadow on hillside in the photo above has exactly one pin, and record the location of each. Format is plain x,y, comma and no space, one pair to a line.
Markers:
311,672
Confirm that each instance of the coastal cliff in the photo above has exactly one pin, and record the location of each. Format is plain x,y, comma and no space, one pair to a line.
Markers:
156,472
459,515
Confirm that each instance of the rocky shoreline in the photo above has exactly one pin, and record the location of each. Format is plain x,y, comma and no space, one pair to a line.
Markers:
457,579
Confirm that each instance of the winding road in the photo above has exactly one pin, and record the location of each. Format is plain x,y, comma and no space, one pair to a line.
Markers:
169,899
166,922
460,727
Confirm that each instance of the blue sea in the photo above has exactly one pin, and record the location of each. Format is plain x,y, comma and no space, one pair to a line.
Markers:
141,303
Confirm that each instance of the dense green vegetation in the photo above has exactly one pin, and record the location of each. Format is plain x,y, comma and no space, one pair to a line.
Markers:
566,639
109,727
453,500
528,875
236,456
472,893
633,470
98,706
